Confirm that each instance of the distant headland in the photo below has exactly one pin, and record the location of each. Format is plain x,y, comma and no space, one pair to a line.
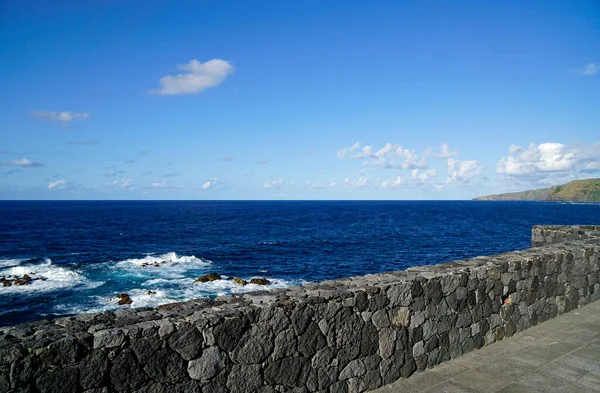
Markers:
587,190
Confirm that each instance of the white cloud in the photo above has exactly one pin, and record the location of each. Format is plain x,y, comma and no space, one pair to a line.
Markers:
389,156
276,183
462,172
22,162
248,174
159,184
390,184
63,117
446,152
361,182
262,161
121,183
421,176
57,184
547,158
227,158
343,152
210,183
197,77
588,69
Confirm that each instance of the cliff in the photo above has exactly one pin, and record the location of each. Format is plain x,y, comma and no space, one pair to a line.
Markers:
576,191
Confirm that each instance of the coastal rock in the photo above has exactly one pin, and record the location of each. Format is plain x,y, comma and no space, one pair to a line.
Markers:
240,281
123,299
260,281
208,277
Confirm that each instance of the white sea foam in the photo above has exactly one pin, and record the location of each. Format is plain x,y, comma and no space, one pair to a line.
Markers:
46,277
155,292
169,265
169,258
10,262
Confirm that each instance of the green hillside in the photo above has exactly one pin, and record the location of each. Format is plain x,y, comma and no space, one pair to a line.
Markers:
576,191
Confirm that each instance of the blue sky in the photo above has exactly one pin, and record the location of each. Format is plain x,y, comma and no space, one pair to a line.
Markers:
296,99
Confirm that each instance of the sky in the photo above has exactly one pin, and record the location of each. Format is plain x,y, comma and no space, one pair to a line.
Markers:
296,99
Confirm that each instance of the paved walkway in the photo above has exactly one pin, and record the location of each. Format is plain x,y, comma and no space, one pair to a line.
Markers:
559,355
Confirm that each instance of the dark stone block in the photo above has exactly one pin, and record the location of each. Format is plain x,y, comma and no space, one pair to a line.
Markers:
369,342
339,387
255,346
166,366
288,371
125,372
59,380
228,333
421,362
26,370
301,317
245,378
93,370
326,377
311,340
144,348
361,301
408,368
187,341
62,352
433,291
378,302
416,288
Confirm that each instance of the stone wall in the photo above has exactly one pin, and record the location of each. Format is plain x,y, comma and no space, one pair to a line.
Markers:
549,234
348,335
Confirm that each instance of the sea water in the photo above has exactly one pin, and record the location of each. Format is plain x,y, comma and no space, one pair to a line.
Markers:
80,255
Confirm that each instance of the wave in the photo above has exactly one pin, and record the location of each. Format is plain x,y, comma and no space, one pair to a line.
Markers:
45,277
158,291
153,260
169,265
10,262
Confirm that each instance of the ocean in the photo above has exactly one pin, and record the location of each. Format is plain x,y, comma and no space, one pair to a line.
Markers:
81,254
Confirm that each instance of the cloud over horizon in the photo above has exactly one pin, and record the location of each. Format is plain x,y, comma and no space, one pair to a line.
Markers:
588,70
63,117
23,162
389,156
57,184
275,183
210,183
195,78
550,158
462,172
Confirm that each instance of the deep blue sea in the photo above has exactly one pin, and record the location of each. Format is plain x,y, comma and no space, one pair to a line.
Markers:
89,251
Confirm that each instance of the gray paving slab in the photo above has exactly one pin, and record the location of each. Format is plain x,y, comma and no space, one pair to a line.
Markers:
560,355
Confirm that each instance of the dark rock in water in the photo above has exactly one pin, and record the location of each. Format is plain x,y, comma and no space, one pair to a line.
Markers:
260,281
150,293
209,277
124,299
240,281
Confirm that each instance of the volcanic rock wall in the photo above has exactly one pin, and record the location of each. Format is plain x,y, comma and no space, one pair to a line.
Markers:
348,335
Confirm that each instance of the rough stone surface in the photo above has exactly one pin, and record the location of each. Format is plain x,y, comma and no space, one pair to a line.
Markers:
347,335
208,365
